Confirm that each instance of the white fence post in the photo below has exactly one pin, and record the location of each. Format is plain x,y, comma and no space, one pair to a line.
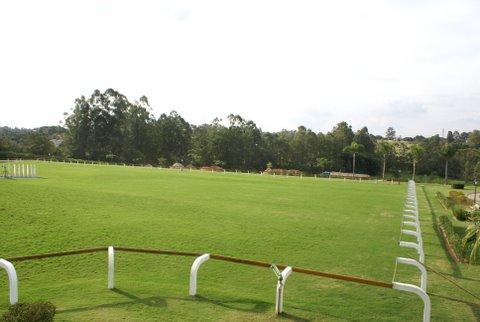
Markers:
427,306
280,287
12,280
194,272
111,268
423,270
415,234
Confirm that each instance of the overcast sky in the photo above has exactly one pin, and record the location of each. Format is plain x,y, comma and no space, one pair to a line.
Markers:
413,65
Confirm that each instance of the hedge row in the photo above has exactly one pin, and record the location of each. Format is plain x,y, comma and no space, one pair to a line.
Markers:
454,239
456,202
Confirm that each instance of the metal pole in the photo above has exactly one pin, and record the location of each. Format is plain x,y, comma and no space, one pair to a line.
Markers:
475,182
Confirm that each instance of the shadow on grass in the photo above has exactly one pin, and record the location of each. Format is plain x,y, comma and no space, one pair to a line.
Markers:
154,301
456,270
473,306
161,301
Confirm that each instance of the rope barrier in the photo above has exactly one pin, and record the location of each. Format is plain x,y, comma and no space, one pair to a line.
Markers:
451,281
224,258
57,254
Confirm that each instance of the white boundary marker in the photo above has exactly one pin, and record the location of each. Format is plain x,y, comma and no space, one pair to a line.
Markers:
12,280
423,270
411,218
194,272
280,287
427,306
22,170
111,268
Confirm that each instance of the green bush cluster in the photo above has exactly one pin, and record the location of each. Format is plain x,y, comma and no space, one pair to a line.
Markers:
458,184
460,198
454,239
40,311
447,202
457,202
460,213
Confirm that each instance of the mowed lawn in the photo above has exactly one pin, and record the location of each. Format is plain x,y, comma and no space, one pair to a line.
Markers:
328,225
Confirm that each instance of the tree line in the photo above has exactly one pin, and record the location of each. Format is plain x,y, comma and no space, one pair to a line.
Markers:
109,127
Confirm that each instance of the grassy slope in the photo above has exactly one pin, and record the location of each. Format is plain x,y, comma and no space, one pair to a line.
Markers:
336,226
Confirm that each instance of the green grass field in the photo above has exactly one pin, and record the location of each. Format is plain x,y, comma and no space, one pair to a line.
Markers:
329,225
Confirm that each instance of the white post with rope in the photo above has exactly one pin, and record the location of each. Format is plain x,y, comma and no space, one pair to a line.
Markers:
282,278
421,267
427,306
194,272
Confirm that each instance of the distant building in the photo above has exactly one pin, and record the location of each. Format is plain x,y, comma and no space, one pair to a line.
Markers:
56,142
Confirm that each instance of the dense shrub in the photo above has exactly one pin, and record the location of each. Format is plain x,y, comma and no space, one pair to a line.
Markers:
458,184
447,202
30,312
460,198
454,239
460,213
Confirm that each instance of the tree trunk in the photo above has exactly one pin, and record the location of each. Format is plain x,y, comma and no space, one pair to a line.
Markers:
413,176
446,171
354,165
384,163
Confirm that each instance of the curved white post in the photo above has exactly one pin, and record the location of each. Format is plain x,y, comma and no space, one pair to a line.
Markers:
111,268
12,280
23,170
410,217
410,205
413,224
427,306
280,286
194,271
414,234
423,270
415,246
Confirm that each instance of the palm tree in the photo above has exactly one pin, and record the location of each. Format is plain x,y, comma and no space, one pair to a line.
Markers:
448,151
416,151
384,148
473,236
354,149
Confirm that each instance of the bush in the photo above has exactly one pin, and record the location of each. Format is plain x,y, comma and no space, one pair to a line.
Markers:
458,184
30,312
454,239
460,198
460,213
447,202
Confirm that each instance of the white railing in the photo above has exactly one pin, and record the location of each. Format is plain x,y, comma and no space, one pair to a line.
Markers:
410,218
21,170
12,280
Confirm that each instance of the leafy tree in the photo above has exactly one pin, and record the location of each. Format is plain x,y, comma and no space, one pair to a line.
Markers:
447,151
340,137
384,148
354,148
173,135
39,144
416,151
474,139
390,134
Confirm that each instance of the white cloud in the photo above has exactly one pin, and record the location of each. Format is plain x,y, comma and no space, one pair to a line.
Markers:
280,63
